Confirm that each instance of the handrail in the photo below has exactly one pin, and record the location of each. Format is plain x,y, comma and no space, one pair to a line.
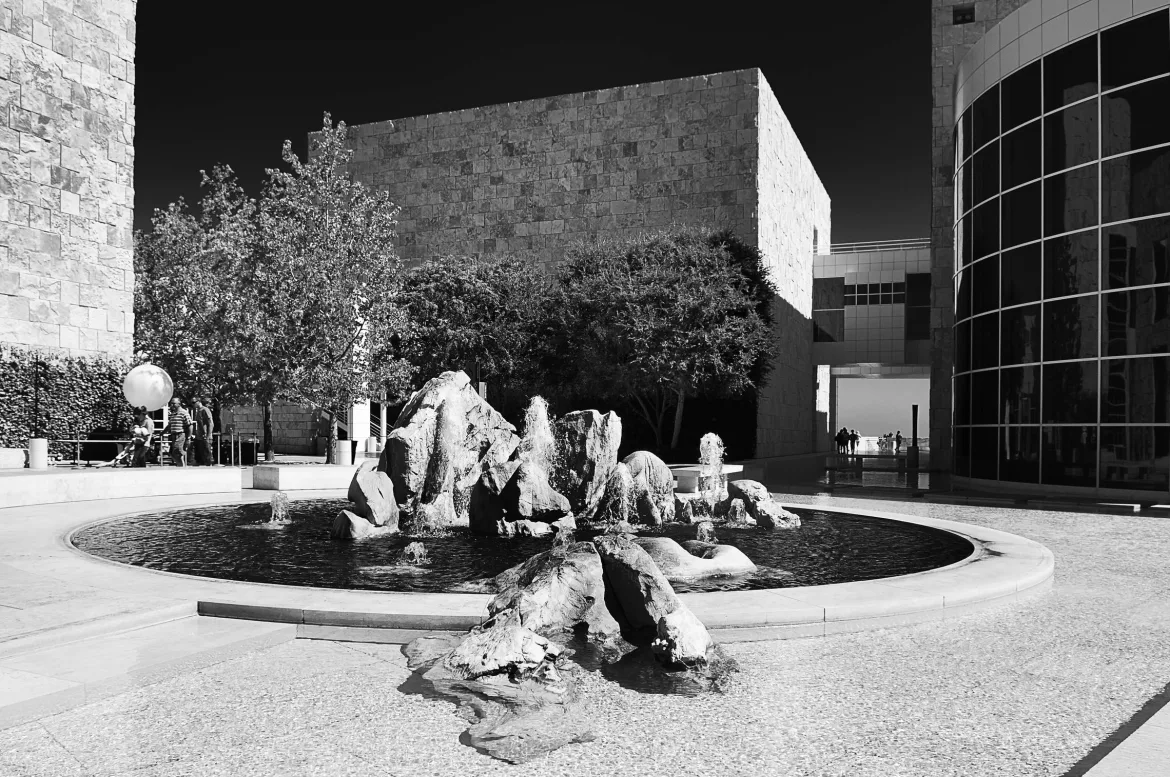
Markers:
880,245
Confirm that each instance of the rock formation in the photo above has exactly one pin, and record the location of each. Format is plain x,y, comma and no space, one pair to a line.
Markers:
351,526
759,505
588,444
694,559
528,495
373,496
653,487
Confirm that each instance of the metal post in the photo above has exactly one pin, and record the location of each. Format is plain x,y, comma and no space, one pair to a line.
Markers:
912,451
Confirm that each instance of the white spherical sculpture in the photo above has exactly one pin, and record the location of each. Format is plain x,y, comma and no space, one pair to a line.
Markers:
148,386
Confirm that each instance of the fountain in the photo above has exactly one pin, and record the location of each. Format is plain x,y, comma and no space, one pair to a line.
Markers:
279,509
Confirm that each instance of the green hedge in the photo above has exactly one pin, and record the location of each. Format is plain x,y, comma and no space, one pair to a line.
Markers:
44,394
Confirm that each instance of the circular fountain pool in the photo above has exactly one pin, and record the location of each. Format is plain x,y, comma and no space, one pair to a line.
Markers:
222,542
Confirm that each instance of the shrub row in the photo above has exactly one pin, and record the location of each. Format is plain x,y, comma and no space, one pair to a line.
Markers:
60,397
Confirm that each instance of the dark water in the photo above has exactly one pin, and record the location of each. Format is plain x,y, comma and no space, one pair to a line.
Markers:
229,542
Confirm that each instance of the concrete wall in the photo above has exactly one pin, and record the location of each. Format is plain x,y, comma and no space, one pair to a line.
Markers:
528,177
67,174
949,43
293,427
792,204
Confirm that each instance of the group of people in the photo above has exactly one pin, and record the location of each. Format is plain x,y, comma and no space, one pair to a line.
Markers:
848,439
187,431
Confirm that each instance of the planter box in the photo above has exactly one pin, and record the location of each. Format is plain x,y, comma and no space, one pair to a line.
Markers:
302,477
13,458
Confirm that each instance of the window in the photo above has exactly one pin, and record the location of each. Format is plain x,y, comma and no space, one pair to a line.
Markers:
1070,393
963,14
1136,185
1070,73
1070,328
1021,96
985,285
1070,136
1135,50
1135,117
1136,254
828,293
1070,200
985,119
1070,264
917,298
985,173
1021,155
1021,215
828,326
1020,275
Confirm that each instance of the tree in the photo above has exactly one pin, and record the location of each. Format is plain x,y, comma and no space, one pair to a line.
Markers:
190,310
472,315
325,279
657,318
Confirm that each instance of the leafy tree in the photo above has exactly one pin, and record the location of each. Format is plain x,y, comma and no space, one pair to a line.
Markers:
656,318
472,315
191,314
325,279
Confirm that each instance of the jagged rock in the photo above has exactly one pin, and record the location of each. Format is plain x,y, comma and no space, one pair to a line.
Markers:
683,511
486,506
648,602
410,447
373,495
737,513
351,526
554,592
588,444
523,528
750,491
705,532
770,515
505,680
529,495
653,486
434,517
679,563
617,503
567,524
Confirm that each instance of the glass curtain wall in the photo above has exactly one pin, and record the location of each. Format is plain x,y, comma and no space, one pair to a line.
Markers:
1062,287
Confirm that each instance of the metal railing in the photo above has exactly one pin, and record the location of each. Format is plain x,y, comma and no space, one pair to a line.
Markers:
908,244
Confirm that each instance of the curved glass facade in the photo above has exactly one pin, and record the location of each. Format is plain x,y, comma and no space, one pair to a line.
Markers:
1062,281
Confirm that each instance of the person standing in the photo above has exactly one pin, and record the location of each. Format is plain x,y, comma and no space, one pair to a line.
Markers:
142,431
898,442
203,426
179,427
854,438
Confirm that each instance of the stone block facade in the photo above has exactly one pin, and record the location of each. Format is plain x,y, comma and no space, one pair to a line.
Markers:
529,177
949,43
67,175
294,428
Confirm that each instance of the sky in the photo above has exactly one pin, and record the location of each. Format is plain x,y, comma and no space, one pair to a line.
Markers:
874,407
218,87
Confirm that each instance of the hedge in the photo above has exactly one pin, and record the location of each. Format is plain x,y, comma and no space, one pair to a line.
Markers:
44,394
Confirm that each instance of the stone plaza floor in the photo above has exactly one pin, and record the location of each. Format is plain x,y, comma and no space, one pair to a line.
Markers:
1024,689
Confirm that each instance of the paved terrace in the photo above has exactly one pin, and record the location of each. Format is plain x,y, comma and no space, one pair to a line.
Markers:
1028,688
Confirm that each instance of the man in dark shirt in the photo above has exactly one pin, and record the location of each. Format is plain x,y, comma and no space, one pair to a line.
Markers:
203,426
179,427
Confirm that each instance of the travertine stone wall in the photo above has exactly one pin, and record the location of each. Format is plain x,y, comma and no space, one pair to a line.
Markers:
528,177
294,428
67,174
792,204
949,44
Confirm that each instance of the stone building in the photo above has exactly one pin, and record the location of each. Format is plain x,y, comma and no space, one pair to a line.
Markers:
67,175
528,177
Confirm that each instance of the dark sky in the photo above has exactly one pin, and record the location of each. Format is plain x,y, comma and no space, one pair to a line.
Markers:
854,82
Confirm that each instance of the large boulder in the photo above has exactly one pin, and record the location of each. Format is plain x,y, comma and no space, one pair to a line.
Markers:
649,603
373,495
528,495
351,526
486,505
617,503
587,446
695,561
770,515
471,424
507,683
653,487
555,592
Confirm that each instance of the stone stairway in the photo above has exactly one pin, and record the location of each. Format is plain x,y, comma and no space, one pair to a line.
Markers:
49,673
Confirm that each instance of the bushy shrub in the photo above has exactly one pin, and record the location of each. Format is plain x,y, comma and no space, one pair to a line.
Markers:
59,397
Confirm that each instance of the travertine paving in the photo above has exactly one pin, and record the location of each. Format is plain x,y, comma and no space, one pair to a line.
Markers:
1025,689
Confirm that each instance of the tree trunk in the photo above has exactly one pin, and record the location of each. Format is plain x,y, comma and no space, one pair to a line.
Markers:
330,451
269,455
678,416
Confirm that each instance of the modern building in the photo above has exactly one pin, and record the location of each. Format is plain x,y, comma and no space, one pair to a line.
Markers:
528,177
67,176
871,316
1060,226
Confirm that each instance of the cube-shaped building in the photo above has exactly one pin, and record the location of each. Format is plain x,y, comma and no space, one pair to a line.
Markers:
529,177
